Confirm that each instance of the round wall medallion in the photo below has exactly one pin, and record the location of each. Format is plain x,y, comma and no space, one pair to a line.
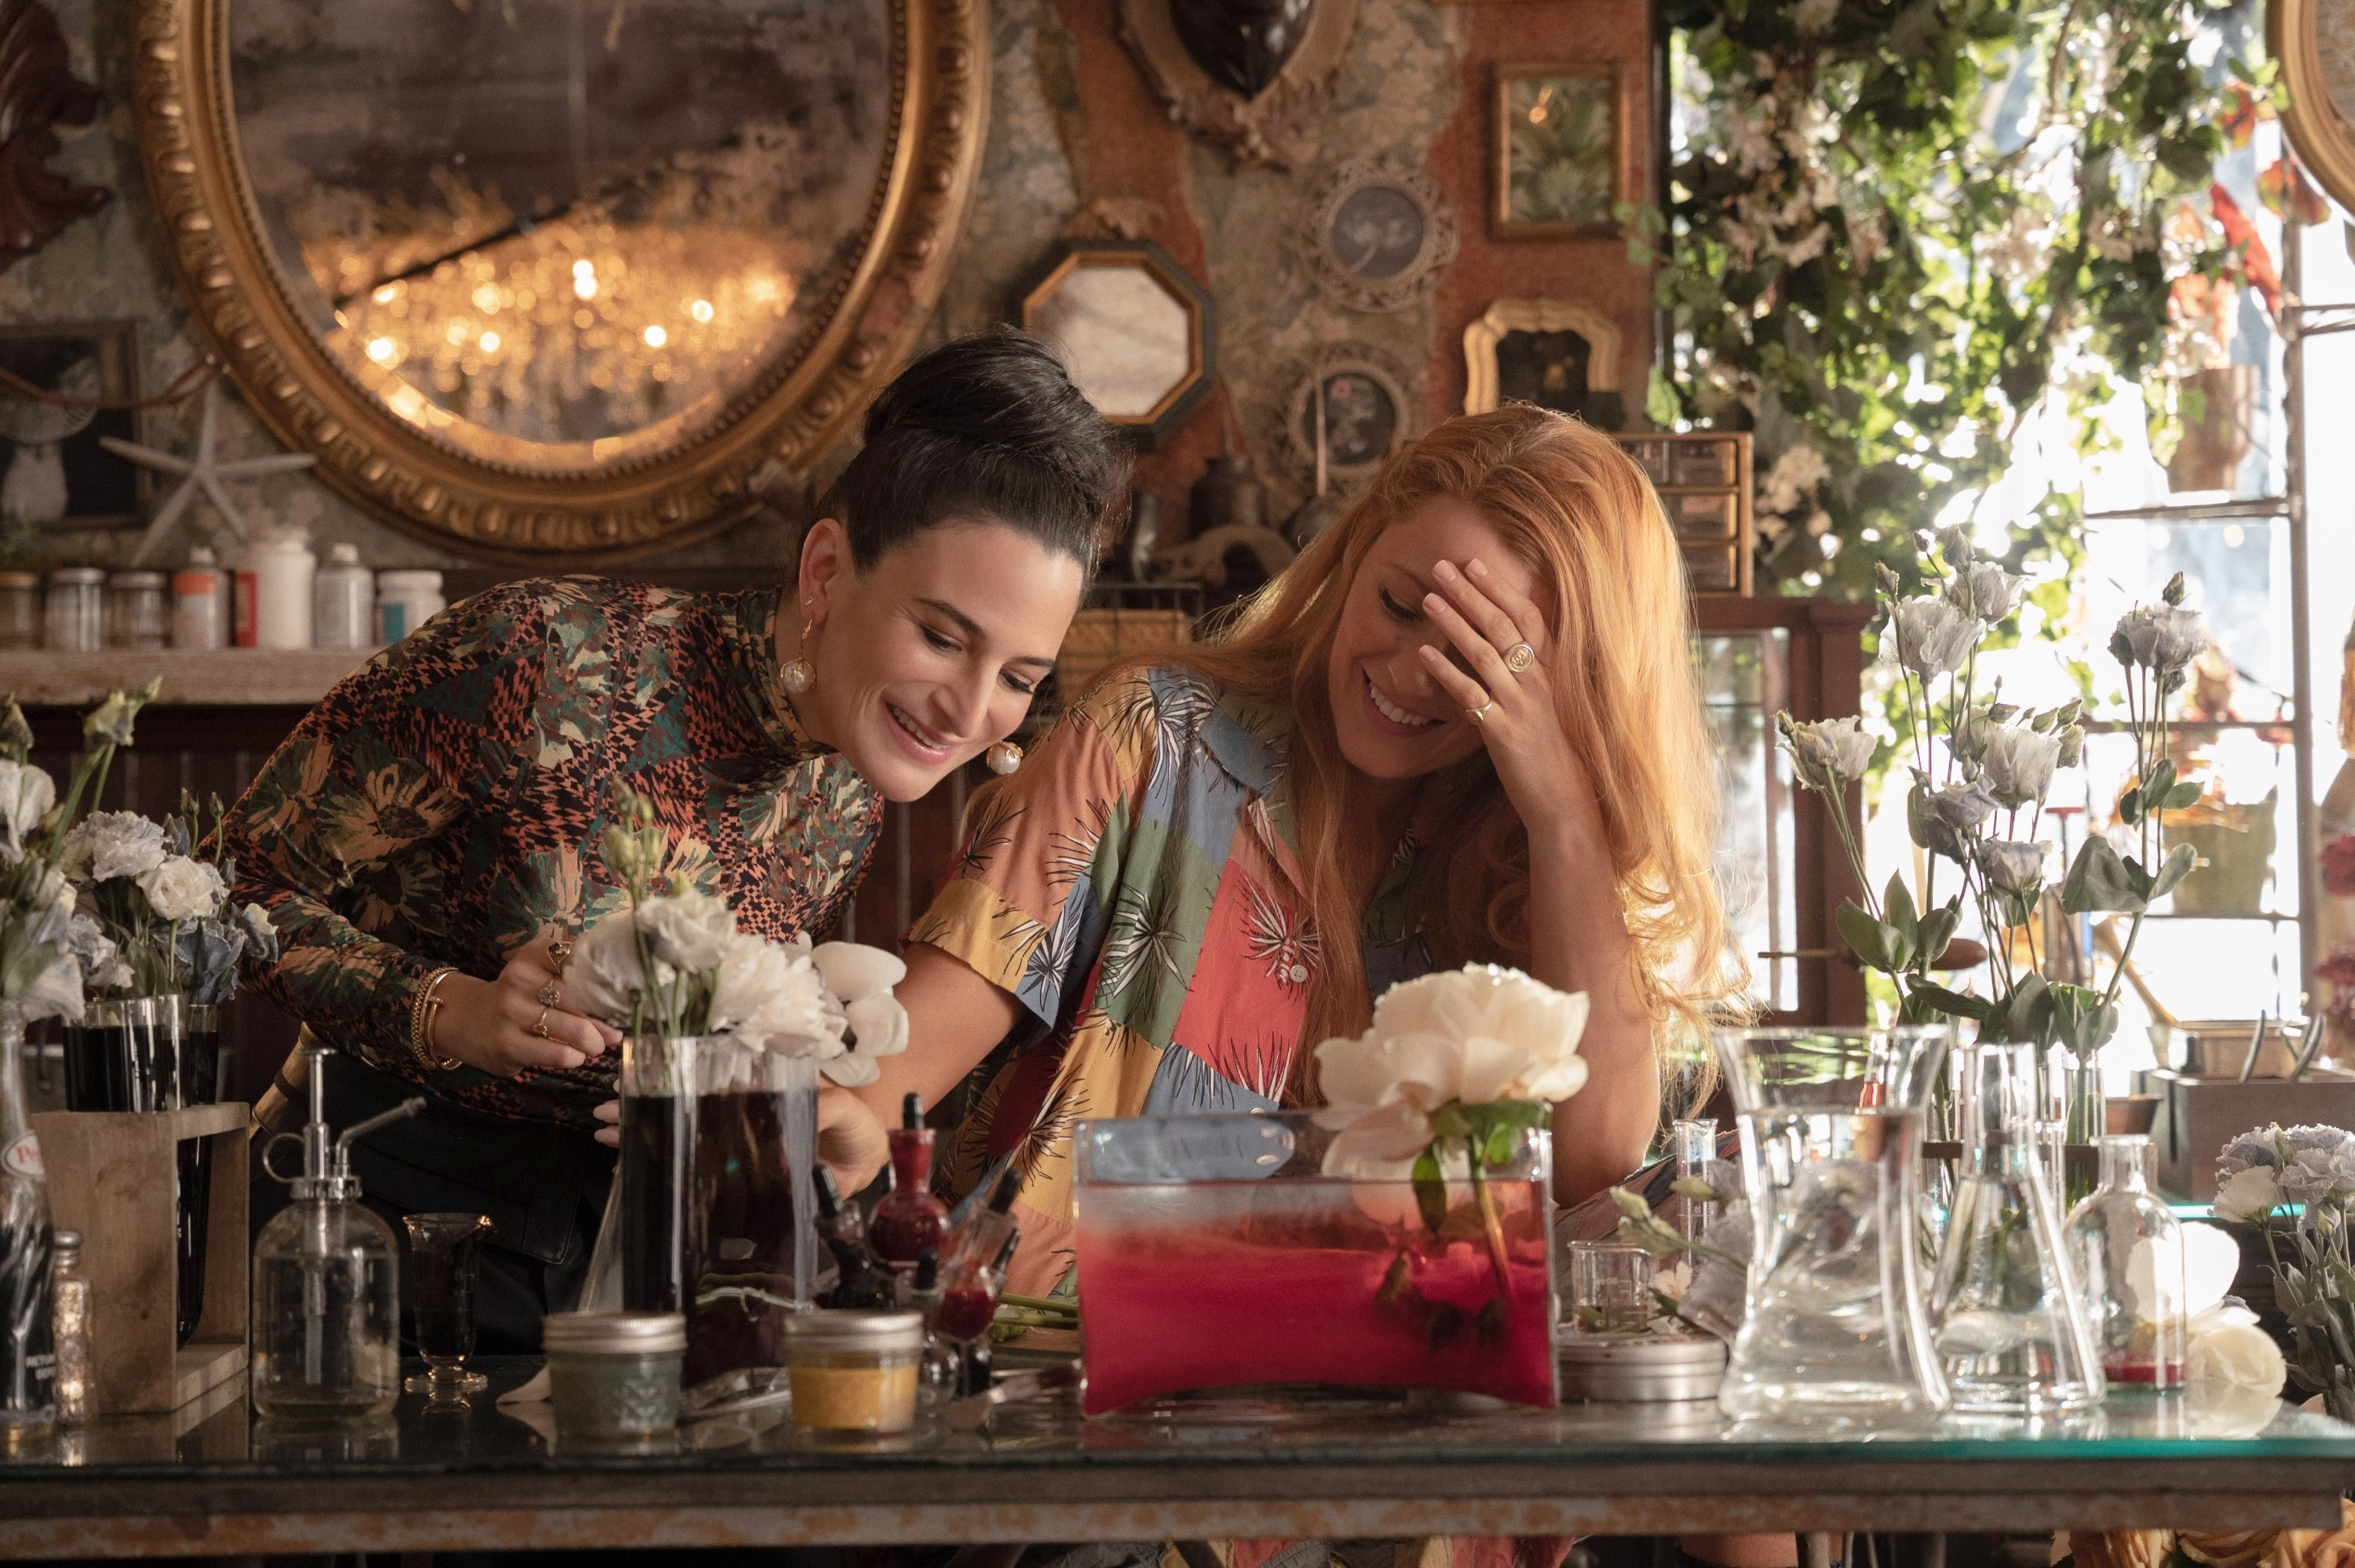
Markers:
1368,407
1377,236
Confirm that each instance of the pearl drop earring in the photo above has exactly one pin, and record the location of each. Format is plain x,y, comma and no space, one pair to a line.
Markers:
1005,758
799,672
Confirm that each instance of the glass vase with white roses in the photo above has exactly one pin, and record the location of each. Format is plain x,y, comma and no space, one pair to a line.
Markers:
725,1037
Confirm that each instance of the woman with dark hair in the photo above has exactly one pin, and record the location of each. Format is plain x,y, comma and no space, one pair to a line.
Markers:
429,839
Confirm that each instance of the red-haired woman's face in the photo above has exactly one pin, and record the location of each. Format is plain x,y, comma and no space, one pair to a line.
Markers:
1390,717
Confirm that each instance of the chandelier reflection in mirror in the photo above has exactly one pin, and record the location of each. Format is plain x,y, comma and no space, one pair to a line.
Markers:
560,236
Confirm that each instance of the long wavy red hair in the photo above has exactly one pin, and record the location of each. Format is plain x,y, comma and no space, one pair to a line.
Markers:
1584,517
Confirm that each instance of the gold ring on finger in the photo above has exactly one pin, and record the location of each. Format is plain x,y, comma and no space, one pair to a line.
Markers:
1479,716
539,1026
549,996
560,952
1519,657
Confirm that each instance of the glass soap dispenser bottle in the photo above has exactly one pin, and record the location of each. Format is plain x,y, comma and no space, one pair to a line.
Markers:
327,1281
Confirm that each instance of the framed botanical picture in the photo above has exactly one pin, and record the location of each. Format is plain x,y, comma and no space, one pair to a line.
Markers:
53,472
1565,153
1377,235
1359,401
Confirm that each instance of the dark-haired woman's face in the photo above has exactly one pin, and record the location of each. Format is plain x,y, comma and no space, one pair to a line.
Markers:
1391,719
925,659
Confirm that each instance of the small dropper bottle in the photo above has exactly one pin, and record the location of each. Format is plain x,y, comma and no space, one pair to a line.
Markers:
909,1221
864,1283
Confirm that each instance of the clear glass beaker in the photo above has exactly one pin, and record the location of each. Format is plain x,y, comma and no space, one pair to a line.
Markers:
1834,1337
445,1258
2127,1249
2010,1318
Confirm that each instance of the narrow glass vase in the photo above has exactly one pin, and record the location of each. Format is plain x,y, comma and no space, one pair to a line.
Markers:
2009,1313
2127,1249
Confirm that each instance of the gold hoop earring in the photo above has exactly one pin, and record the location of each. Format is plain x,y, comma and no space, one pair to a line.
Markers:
1005,758
799,672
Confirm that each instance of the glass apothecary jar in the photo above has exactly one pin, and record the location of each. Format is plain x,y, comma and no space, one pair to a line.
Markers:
20,609
853,1372
2127,1249
135,615
74,613
612,1377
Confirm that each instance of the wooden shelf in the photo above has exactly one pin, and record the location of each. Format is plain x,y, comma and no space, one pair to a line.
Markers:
226,677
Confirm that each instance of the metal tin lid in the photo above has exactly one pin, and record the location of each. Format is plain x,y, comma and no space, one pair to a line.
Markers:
1639,1368
612,1333
67,1244
848,1329
76,576
1681,1352
136,580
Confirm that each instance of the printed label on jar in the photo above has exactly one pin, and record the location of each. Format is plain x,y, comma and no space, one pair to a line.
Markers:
22,1158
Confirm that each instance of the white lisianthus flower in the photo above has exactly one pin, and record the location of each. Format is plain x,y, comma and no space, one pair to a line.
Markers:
606,971
2014,868
688,930
2018,766
1933,638
179,888
1829,753
2159,637
26,794
1984,590
121,844
769,992
1475,1035
2250,1194
56,993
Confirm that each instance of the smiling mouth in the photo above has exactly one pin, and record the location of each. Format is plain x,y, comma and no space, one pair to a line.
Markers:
1392,711
924,739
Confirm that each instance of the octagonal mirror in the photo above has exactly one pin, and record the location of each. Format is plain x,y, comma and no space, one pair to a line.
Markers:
1136,331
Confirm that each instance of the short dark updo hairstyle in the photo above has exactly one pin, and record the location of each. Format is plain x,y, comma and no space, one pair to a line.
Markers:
985,428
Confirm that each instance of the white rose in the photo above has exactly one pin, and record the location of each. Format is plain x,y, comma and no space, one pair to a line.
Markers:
2227,1347
122,844
853,971
765,991
2249,1196
26,794
179,888
688,930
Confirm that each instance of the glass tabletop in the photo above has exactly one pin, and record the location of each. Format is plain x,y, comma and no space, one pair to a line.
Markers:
1242,1428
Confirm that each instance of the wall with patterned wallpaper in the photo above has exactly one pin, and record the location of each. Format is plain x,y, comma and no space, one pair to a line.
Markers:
1073,122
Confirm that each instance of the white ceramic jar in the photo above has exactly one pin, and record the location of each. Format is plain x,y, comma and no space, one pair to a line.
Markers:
282,565
406,600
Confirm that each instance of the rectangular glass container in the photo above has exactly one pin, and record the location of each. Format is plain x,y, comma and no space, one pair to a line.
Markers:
1213,1251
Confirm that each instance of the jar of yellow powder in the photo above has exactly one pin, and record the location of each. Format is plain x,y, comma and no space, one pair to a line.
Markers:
853,1372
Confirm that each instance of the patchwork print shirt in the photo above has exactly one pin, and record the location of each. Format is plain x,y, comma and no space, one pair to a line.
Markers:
447,804
1136,886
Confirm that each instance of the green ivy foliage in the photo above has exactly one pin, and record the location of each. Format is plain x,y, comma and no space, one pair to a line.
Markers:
1899,225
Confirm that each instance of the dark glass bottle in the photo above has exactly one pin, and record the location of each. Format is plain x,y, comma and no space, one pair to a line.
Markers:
864,1283
910,1221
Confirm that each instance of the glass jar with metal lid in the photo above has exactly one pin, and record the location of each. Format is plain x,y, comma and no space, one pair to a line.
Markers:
73,616
134,610
854,1371
612,1377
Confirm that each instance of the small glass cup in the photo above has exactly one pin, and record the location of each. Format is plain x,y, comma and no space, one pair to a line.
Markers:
445,1259
1610,1287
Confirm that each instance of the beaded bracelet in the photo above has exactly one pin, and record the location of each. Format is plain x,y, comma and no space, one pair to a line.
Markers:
421,1024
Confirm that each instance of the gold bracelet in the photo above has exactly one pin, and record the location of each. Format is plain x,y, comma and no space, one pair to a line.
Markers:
421,1014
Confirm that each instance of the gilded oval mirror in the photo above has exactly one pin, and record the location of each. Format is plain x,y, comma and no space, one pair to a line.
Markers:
545,279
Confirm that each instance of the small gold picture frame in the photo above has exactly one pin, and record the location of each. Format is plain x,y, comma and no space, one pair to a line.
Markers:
1565,150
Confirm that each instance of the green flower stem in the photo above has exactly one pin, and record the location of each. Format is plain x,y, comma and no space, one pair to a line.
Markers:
1493,1227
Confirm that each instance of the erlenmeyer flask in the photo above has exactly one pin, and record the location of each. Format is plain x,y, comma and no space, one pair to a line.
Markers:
2010,1319
1835,1338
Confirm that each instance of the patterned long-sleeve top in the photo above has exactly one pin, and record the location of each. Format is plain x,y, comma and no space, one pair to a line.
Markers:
446,805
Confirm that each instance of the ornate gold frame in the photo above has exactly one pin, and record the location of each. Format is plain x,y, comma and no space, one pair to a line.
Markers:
777,429
1276,128
1313,241
2324,139
1481,338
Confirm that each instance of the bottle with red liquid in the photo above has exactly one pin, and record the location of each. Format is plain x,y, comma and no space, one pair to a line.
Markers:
909,1221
